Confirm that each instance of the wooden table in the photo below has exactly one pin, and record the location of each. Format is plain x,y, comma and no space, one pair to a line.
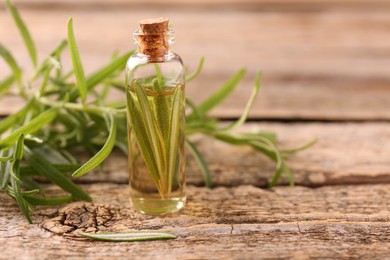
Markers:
326,67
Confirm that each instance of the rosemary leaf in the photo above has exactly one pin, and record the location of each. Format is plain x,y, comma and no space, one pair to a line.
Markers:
144,143
248,107
60,47
6,84
99,157
4,159
5,168
15,179
76,61
129,236
30,127
300,148
52,155
152,130
14,119
43,166
222,93
53,201
101,74
9,59
195,110
30,186
27,170
196,72
174,133
201,162
161,107
23,31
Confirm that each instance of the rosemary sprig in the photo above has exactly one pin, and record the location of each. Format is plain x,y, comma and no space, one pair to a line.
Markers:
67,112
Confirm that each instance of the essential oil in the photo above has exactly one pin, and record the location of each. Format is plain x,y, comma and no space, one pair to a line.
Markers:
156,129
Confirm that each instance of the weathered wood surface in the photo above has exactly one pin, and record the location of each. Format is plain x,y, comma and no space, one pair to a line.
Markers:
346,153
236,219
242,222
330,64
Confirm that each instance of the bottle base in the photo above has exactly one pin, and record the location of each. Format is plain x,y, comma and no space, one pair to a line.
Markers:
158,206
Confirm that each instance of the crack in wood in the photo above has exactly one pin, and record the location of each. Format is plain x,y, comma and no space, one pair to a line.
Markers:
81,216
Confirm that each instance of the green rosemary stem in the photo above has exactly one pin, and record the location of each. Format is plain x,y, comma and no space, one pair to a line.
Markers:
79,107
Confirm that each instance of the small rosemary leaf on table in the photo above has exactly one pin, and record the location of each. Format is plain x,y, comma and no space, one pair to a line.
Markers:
24,32
43,166
99,157
36,124
129,236
76,61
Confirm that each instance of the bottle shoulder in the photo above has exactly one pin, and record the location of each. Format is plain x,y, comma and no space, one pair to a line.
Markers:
140,59
170,67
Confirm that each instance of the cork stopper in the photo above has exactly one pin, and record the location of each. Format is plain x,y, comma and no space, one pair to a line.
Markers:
152,38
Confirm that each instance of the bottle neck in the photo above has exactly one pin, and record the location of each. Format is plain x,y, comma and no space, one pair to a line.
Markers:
154,45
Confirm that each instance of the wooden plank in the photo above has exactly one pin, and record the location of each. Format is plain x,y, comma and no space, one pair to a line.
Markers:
242,4
236,223
316,65
291,100
346,153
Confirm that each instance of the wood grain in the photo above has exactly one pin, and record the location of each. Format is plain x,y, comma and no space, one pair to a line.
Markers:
235,223
346,153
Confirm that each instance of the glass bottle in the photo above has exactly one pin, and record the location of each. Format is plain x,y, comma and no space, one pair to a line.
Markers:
156,121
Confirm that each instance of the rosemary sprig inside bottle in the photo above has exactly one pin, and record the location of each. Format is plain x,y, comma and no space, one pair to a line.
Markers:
157,116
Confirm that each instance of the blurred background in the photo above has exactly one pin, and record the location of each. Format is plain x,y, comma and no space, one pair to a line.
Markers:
321,60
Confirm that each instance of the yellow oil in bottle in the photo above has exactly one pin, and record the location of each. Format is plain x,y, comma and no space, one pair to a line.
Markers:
156,140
